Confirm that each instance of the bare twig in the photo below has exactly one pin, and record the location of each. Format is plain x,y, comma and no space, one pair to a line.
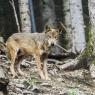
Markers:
15,14
62,48
63,26
55,61
81,54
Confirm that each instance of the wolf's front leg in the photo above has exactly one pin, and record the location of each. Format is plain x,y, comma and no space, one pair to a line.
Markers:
44,58
13,71
45,70
38,62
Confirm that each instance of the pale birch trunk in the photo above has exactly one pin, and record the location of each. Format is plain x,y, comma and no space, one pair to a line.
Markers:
25,16
75,24
66,10
48,13
91,6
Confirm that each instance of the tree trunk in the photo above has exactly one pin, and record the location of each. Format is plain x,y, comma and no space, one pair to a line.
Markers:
91,6
24,16
68,23
48,13
32,15
75,24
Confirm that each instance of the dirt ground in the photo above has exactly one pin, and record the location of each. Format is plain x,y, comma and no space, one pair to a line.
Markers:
78,82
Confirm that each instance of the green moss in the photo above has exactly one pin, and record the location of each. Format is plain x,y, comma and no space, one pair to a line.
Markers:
89,40
88,52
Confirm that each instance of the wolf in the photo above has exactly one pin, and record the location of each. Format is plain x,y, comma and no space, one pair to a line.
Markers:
32,44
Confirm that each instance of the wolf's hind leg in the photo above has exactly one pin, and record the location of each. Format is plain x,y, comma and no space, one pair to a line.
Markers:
19,69
18,66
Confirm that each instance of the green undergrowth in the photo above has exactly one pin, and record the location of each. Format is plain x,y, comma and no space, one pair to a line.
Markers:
88,51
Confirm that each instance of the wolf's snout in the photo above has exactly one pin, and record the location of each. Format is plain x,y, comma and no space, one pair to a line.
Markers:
52,44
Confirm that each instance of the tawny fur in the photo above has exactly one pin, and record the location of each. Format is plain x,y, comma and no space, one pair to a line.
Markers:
34,44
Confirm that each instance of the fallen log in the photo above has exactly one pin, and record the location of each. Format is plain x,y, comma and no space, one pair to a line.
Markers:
76,64
62,56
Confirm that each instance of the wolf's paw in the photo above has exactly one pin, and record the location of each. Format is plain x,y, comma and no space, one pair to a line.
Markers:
21,73
42,75
47,78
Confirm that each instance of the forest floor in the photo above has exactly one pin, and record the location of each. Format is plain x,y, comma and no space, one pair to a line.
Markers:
78,82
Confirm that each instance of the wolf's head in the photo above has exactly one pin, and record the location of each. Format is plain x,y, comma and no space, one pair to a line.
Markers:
52,35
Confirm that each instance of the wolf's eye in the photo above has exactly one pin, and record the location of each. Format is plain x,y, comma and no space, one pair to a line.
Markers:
56,37
49,37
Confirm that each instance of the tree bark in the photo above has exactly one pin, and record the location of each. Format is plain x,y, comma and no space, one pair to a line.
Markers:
68,23
25,16
75,24
48,13
91,6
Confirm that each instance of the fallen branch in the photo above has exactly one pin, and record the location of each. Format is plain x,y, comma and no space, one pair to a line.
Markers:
62,48
69,65
76,64
62,56
55,61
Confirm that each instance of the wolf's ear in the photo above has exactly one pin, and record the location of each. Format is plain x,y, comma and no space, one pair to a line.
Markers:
47,28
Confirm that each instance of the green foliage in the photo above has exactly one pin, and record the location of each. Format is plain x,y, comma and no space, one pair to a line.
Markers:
88,52
31,81
71,92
